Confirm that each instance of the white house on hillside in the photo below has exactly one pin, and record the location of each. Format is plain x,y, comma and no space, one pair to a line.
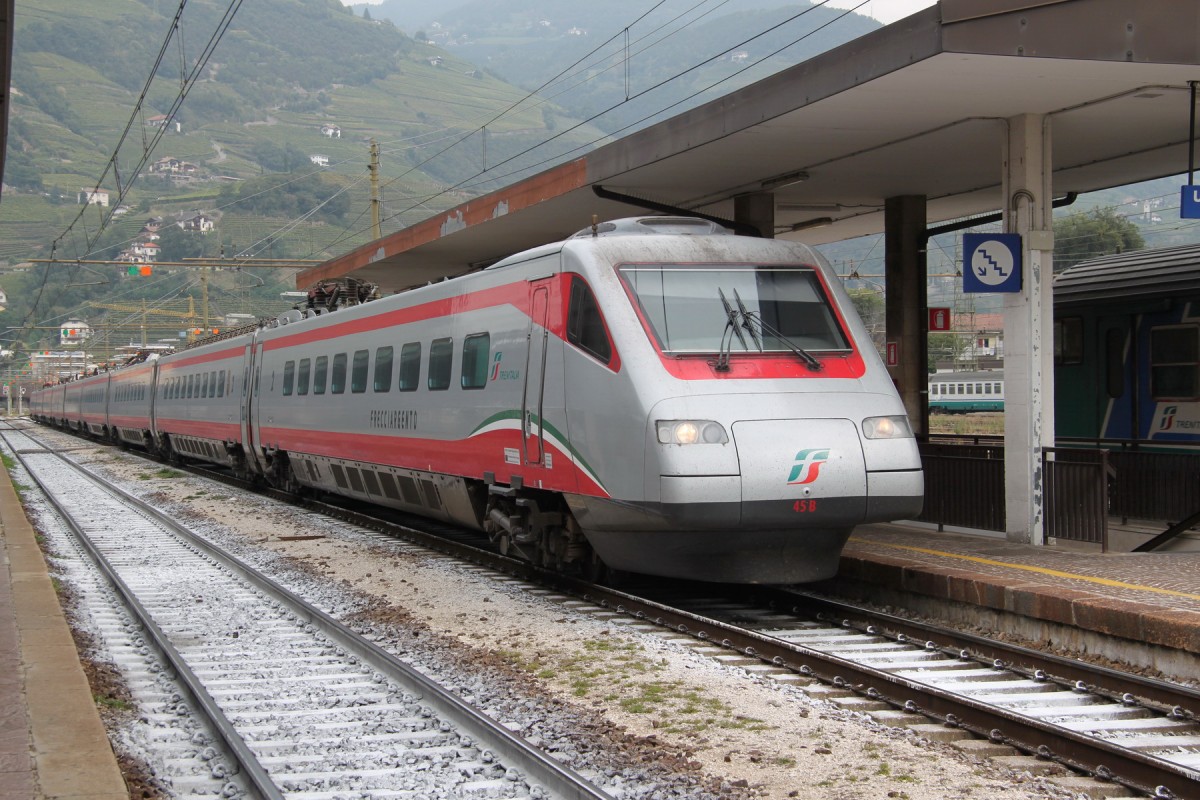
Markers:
93,197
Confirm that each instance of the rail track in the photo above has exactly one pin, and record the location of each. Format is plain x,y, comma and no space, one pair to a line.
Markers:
1119,728
299,705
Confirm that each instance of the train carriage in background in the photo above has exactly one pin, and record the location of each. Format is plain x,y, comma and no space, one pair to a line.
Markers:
966,392
131,403
197,404
93,394
46,404
653,395
1127,347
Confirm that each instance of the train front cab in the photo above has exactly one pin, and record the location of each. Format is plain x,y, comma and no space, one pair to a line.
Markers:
757,466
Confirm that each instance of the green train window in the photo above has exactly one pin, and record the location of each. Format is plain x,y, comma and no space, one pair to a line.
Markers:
441,357
358,374
410,367
383,369
1068,340
1175,362
302,376
476,352
337,384
320,372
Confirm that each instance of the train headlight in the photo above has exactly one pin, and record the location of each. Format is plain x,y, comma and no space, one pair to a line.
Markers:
896,427
690,431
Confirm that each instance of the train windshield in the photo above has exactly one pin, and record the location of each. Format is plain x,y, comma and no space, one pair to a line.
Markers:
689,308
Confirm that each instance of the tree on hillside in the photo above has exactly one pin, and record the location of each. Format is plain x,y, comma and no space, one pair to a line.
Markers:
1099,232
176,244
273,158
20,171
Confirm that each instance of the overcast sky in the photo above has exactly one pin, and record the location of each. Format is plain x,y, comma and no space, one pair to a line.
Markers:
883,10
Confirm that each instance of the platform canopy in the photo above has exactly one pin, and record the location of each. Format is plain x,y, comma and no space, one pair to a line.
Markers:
919,107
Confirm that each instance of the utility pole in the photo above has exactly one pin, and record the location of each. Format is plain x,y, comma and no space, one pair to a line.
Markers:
204,298
374,169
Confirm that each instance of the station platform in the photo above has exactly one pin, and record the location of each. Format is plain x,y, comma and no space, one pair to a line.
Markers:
52,742
1079,600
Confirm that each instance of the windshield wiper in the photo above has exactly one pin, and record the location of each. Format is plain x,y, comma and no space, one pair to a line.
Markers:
748,321
731,325
754,323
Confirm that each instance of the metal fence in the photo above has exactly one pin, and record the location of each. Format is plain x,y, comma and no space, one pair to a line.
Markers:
964,487
1153,481
1076,484
964,484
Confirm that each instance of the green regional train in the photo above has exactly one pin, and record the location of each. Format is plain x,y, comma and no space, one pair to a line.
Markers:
1126,351
1127,347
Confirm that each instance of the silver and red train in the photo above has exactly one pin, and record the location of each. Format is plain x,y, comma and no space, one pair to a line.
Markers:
653,395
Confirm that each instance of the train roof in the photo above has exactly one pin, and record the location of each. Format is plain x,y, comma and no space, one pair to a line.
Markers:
1139,275
953,377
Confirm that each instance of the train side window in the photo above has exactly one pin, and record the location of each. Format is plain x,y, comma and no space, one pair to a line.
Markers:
212,383
337,383
320,371
1114,362
289,377
302,372
477,349
1068,340
220,383
1175,362
383,369
441,362
358,373
410,367
187,393
585,324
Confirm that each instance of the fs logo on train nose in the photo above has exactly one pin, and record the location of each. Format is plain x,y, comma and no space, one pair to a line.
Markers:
808,465
1168,419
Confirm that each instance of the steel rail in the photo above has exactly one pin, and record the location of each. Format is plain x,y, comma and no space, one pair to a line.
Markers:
1181,702
538,766
1080,753
234,745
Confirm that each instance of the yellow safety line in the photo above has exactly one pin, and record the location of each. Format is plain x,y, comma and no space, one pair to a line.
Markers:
1042,570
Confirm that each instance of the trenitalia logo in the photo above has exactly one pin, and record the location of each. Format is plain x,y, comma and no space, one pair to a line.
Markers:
1168,418
808,466
498,374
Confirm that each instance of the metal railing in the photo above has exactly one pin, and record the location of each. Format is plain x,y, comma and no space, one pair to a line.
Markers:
1086,484
1076,484
964,487
1157,481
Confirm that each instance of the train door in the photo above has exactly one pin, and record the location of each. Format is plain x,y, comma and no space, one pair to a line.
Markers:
1116,356
249,405
533,398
